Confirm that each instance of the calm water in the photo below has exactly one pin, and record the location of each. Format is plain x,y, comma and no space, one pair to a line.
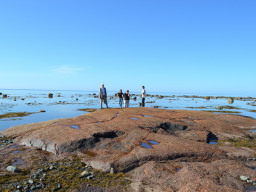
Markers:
65,104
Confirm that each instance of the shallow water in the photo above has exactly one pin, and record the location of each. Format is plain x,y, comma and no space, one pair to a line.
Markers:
18,162
153,142
74,126
146,145
65,104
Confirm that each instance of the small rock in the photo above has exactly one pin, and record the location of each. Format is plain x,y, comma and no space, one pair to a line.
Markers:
111,170
52,167
19,187
244,178
50,95
90,177
30,181
85,174
12,169
250,181
42,111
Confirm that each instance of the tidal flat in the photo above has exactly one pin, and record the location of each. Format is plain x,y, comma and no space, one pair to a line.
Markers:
31,106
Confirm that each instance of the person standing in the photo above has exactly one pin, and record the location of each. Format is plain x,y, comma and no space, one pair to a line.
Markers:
120,97
103,95
143,96
126,97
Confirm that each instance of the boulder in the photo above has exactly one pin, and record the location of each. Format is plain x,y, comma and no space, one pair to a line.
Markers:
12,169
230,100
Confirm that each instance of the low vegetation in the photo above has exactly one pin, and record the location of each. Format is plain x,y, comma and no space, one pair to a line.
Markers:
16,114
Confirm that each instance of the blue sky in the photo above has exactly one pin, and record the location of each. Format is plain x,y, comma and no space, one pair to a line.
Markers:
174,46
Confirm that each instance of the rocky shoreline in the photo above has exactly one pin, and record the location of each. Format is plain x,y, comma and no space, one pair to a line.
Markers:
135,149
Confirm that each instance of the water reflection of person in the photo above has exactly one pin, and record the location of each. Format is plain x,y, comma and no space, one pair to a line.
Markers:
103,96
126,97
120,97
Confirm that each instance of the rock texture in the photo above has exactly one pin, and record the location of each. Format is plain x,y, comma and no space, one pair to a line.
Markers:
162,150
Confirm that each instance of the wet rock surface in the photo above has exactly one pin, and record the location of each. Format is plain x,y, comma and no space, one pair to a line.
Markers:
177,156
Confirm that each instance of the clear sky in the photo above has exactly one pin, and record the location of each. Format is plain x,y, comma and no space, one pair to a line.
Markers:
174,46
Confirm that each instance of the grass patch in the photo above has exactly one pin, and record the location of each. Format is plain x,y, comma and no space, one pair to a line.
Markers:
243,142
17,114
230,107
215,111
88,110
201,107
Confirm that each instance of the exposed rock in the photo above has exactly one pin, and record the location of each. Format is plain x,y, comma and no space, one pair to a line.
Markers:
207,97
230,100
178,156
50,95
4,96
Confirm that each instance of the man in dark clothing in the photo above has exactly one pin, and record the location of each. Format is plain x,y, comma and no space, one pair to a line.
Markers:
126,97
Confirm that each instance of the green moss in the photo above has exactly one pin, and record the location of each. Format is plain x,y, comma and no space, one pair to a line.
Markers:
215,111
88,110
18,114
230,107
67,174
200,107
243,142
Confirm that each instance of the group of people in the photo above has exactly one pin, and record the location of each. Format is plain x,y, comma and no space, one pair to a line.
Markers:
123,97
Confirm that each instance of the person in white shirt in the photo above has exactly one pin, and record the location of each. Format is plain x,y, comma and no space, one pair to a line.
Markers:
143,96
103,95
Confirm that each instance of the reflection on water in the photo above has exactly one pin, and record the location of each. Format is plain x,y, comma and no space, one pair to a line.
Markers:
74,126
153,142
146,145
65,104
18,162
15,152
213,142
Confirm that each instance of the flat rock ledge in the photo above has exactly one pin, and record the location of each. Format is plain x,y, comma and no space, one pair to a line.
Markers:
162,150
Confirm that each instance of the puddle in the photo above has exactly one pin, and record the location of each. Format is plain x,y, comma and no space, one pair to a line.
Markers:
147,116
16,152
252,131
99,122
134,118
178,169
74,126
12,146
213,142
18,162
116,114
146,145
251,189
153,142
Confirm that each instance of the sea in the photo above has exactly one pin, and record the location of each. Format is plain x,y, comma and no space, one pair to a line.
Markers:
66,104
